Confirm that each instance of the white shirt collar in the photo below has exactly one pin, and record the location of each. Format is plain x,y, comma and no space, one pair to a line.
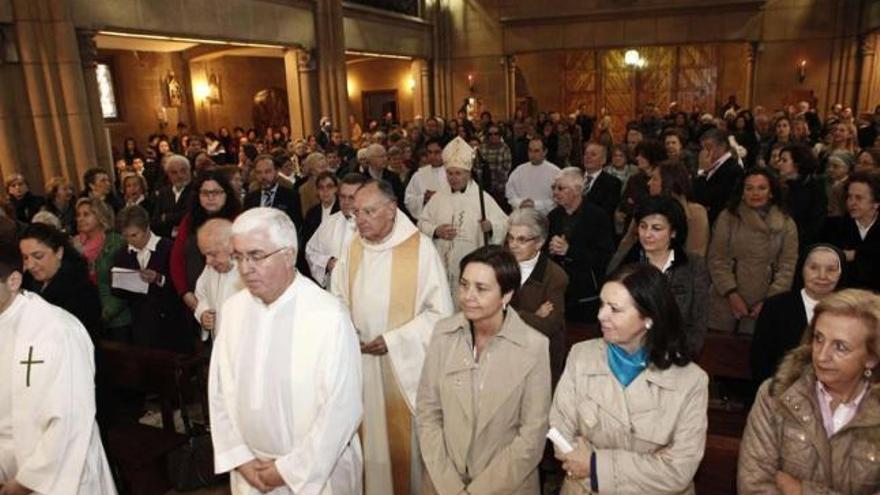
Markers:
845,412
863,231
150,246
809,304
669,261
717,164
527,267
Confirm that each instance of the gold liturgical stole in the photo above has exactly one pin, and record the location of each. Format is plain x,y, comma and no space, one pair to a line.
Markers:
401,309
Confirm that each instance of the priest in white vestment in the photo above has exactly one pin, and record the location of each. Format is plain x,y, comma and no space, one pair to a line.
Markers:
531,184
393,281
455,219
332,237
285,379
427,180
49,439
219,280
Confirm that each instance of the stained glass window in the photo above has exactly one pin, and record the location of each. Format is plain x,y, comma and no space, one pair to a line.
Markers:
107,91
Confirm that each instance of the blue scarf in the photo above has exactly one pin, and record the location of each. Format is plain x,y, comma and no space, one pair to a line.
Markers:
626,367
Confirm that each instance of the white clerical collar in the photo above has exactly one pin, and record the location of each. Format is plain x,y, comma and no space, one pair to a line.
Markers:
152,242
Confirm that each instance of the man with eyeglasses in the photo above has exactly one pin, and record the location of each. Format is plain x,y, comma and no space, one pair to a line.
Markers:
393,281
531,184
581,241
427,180
333,235
455,219
271,192
285,379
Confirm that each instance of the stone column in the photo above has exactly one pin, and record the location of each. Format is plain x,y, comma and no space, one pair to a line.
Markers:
330,50
442,46
11,138
510,62
88,51
421,74
308,86
867,62
427,89
751,59
294,92
55,89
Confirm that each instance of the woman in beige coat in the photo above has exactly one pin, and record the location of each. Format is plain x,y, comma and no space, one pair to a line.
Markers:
484,394
815,426
752,255
632,403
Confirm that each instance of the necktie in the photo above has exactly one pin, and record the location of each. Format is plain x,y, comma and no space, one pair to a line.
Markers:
588,181
268,195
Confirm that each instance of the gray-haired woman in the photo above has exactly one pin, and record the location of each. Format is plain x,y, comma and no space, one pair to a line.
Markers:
540,300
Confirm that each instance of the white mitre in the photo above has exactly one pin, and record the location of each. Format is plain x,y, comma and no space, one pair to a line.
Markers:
458,154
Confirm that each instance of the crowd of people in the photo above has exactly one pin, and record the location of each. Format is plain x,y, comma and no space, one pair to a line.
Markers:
428,270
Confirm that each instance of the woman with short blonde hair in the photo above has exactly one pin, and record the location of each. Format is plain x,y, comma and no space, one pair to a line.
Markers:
815,426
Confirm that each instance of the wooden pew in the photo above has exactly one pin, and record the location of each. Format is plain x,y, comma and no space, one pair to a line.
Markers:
726,355
717,473
138,451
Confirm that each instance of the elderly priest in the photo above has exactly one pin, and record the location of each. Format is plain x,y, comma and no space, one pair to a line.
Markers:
393,281
285,377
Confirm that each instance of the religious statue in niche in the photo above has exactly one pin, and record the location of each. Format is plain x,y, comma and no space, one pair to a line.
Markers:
270,108
214,95
173,91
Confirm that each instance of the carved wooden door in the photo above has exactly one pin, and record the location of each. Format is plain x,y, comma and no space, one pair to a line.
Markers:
697,77
579,75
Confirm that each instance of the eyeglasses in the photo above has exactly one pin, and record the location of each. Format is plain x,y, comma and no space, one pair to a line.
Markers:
211,193
520,240
254,257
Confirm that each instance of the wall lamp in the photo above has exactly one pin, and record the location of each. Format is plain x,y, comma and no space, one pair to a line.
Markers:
802,70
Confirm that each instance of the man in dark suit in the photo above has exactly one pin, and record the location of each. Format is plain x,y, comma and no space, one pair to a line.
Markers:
581,241
327,185
601,189
273,194
718,175
172,200
377,168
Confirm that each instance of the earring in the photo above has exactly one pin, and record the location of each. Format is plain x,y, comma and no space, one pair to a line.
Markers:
868,372
648,324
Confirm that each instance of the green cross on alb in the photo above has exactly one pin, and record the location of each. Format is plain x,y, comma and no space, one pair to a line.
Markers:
30,361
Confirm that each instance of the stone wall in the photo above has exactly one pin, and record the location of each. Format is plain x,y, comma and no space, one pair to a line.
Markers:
288,23
139,77
240,79
379,74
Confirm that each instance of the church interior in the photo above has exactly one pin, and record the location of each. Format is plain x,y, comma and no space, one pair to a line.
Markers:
78,78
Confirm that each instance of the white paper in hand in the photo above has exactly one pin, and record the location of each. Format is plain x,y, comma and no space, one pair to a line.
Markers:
559,441
127,279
